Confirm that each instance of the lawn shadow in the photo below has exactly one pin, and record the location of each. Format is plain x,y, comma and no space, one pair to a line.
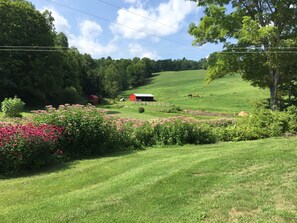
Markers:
64,165
112,112
149,80
45,170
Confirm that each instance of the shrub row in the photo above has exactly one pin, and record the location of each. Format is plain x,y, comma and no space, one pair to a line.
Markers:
169,133
79,131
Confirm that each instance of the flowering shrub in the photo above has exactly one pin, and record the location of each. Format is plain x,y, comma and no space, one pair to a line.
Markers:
86,132
28,146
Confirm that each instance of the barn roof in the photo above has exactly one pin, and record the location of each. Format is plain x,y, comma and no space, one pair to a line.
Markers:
144,95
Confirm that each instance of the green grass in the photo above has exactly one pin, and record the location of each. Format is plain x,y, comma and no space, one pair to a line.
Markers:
229,94
252,181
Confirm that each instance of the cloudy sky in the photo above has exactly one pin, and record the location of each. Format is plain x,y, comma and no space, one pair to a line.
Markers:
128,28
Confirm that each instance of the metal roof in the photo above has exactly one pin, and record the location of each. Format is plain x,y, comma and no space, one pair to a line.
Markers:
144,95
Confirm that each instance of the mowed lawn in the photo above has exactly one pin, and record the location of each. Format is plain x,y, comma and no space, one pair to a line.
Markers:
253,181
228,94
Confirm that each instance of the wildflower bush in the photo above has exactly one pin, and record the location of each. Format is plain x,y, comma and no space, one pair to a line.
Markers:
12,107
27,147
85,133
181,133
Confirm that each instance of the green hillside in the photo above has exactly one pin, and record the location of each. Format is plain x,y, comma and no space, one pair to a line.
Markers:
229,94
252,181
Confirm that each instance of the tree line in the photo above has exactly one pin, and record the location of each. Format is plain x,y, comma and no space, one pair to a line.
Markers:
37,64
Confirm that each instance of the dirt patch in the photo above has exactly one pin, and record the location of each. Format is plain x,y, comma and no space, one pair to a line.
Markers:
206,113
235,215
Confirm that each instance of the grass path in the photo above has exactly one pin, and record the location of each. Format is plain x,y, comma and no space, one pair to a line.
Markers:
246,182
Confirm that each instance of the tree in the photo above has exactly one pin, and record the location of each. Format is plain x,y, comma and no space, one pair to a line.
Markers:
61,40
31,75
111,81
265,34
136,73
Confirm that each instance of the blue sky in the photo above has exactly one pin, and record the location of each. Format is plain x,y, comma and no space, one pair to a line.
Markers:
129,28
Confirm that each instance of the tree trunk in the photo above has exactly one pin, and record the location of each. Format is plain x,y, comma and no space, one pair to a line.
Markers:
274,89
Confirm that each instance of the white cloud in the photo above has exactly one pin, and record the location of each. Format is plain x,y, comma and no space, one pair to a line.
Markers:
171,13
138,51
60,22
87,40
90,29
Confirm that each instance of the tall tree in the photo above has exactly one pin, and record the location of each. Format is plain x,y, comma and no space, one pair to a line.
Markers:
265,34
136,73
30,75
111,81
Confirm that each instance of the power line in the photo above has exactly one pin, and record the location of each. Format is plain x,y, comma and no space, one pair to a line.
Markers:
261,48
30,50
142,16
263,52
34,47
59,50
118,24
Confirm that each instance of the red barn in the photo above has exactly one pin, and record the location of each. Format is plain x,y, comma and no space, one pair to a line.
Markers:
141,97
93,99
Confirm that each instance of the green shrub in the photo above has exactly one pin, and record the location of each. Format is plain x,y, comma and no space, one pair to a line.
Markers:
12,107
141,110
292,119
173,109
144,136
181,133
261,123
71,95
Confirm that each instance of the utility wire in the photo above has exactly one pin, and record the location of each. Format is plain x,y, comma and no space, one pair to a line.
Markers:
29,50
34,47
142,16
223,52
260,48
262,52
118,24
234,48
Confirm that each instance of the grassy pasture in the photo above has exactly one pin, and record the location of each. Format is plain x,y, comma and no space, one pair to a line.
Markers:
229,94
252,181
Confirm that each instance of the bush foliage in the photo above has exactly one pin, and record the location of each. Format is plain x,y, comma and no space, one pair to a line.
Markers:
12,107
141,110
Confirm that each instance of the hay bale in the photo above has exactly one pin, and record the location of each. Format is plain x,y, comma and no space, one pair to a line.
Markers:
243,114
